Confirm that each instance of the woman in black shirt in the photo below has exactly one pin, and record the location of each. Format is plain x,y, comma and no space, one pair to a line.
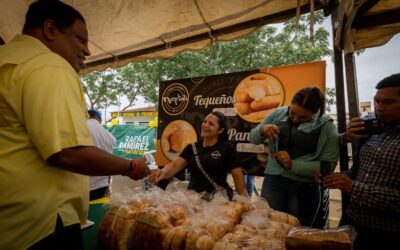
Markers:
217,157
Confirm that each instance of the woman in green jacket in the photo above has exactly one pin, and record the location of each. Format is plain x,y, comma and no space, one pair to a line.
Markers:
300,136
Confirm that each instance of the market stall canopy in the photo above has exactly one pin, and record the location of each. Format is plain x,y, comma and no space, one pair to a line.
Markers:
122,31
366,23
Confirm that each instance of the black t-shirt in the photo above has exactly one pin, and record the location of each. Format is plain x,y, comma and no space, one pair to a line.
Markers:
216,160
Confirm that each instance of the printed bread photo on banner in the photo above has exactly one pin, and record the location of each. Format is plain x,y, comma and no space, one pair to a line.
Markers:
257,95
175,137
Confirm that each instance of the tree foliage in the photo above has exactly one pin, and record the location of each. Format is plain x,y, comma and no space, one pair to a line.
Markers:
266,47
101,88
330,98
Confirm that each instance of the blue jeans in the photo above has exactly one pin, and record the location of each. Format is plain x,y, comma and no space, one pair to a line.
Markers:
249,179
300,199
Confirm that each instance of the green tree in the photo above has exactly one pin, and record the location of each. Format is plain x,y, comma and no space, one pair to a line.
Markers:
101,88
330,98
266,47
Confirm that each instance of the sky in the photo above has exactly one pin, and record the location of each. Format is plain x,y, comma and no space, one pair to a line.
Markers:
372,65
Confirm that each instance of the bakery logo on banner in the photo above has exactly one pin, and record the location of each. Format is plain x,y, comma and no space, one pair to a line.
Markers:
175,99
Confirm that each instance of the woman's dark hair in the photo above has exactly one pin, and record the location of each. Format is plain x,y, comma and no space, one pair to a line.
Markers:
62,14
222,124
311,99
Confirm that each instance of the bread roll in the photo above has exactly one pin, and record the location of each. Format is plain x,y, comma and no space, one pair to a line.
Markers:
192,237
266,102
231,213
139,203
154,217
240,237
313,238
168,239
273,233
179,239
146,237
217,230
165,145
116,225
243,108
257,92
283,218
227,238
165,137
257,115
177,212
273,87
204,242
242,95
243,228
180,138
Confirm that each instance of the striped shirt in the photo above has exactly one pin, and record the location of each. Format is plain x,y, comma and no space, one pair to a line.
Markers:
375,195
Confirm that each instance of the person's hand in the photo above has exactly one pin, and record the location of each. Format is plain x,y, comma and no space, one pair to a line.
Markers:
353,128
143,169
153,176
270,131
338,181
161,175
284,158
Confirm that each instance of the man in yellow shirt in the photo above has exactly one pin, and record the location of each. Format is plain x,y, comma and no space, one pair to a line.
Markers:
45,147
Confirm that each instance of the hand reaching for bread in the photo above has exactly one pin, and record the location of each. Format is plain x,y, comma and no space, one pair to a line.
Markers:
159,175
142,171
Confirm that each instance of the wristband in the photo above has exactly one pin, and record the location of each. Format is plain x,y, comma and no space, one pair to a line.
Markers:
133,168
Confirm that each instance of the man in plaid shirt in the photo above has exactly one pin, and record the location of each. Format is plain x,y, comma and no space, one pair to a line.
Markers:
373,183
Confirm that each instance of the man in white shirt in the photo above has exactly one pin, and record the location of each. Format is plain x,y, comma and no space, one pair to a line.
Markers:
99,185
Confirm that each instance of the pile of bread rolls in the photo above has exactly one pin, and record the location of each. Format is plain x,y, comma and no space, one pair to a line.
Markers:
162,220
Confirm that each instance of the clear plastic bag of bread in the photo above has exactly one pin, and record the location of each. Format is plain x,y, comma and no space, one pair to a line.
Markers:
217,218
118,222
260,228
340,238
149,225
248,240
260,215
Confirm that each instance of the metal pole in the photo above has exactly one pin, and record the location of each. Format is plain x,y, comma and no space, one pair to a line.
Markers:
340,100
340,93
352,90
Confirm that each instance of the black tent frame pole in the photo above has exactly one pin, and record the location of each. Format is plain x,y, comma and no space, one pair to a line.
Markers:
340,94
352,89
340,99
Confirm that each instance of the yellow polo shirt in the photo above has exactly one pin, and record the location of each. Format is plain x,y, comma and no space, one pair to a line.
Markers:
42,110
